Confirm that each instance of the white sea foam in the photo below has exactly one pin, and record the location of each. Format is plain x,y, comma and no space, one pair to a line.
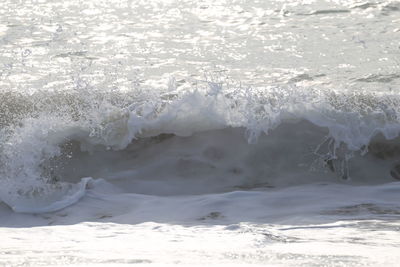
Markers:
206,132
242,138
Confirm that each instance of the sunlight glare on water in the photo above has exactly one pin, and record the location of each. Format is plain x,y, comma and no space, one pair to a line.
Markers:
224,132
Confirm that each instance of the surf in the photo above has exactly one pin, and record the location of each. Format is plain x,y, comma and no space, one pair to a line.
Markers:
211,139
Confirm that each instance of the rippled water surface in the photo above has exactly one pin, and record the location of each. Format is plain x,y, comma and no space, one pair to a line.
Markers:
199,132
338,44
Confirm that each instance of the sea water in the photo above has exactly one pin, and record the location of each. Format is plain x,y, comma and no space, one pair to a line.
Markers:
198,133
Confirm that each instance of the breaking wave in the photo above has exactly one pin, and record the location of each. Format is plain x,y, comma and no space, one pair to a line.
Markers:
213,138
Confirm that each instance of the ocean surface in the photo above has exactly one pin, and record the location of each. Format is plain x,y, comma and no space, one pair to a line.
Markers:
199,133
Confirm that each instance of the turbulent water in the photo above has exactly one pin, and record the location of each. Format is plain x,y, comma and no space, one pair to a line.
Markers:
200,132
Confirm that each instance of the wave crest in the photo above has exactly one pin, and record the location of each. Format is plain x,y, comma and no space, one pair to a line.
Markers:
33,134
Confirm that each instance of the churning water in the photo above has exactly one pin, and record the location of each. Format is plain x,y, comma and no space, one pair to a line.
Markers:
200,132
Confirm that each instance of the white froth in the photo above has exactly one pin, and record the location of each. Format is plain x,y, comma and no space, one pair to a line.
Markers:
213,132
